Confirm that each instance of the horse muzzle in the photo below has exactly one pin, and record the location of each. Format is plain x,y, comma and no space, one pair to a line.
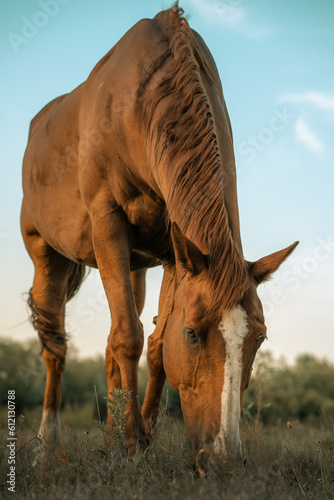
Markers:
207,459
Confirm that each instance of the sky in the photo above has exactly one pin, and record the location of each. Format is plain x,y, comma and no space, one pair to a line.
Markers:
276,63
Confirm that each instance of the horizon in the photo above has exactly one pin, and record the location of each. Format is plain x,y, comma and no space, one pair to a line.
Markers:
276,66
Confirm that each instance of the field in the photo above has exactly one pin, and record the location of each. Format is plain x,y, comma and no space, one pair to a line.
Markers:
287,462
287,433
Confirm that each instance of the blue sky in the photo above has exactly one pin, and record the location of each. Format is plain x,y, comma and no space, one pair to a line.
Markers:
276,63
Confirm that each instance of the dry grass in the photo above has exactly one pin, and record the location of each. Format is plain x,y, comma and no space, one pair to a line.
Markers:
289,463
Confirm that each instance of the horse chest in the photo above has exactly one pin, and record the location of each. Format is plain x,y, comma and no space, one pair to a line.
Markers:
147,217
144,212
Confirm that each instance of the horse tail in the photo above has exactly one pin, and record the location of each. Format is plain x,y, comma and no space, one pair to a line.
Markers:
47,324
52,338
76,277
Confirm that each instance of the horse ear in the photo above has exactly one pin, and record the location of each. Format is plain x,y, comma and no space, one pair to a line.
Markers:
262,269
187,253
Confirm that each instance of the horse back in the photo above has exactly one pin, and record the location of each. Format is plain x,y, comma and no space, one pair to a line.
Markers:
86,141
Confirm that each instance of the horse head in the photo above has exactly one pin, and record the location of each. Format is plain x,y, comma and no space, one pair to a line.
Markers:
208,352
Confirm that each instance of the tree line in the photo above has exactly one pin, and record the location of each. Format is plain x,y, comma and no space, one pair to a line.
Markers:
278,391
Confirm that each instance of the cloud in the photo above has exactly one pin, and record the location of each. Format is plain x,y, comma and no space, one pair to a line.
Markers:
226,13
230,14
319,99
307,137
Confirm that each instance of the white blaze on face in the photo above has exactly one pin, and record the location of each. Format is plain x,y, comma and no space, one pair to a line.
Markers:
233,327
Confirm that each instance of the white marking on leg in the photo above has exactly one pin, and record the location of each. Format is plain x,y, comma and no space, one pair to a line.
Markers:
233,327
50,428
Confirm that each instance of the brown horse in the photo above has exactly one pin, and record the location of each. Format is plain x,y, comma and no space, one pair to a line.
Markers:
132,169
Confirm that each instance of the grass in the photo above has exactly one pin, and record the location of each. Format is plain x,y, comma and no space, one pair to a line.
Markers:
289,463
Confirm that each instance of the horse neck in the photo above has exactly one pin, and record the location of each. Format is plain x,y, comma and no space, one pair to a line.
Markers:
175,103
190,172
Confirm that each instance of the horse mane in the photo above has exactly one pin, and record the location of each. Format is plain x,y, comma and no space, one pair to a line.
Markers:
187,156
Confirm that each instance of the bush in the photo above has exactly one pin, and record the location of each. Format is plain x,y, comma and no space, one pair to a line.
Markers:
277,392
303,391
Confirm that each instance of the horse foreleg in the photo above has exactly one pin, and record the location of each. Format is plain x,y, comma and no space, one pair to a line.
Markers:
112,239
113,375
157,377
113,372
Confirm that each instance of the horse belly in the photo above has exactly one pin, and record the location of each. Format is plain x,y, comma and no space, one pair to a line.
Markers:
53,202
67,230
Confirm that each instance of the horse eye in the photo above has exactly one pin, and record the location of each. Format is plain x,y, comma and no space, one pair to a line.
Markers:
191,334
260,338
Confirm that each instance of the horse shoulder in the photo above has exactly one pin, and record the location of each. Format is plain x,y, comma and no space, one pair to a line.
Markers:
43,113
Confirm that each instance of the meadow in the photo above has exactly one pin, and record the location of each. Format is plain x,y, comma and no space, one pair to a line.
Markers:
287,434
